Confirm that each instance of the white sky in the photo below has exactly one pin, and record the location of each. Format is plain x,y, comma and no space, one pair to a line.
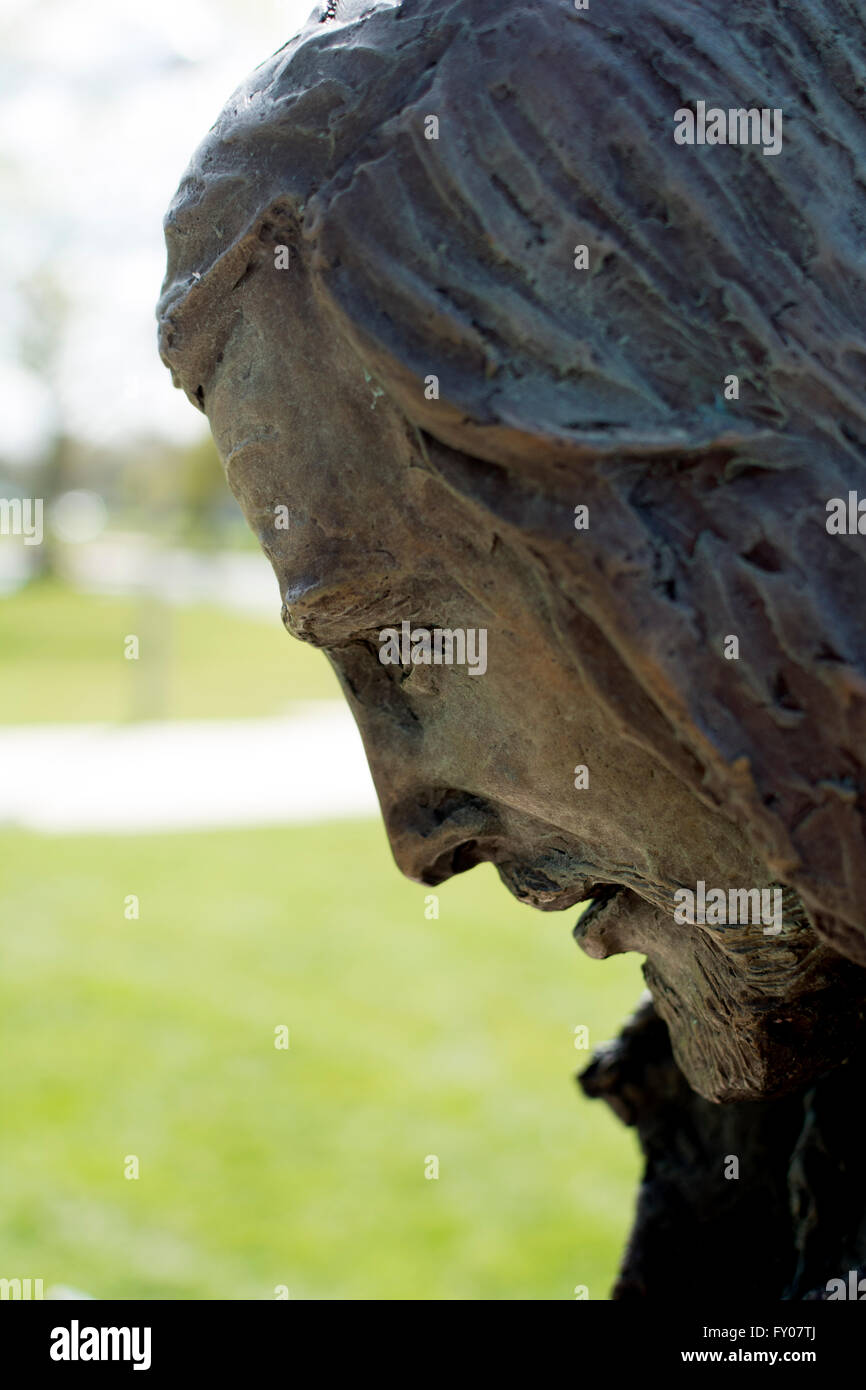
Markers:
102,103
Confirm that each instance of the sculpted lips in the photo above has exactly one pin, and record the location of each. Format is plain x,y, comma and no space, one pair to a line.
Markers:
449,831
552,883
606,927
601,897
552,887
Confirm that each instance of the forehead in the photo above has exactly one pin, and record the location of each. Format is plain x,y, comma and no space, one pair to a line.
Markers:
323,465
289,397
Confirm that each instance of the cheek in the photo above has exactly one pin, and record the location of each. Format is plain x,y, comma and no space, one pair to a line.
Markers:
486,734
515,730
532,727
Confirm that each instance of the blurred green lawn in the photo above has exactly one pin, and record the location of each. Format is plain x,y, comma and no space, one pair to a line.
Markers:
61,659
409,1037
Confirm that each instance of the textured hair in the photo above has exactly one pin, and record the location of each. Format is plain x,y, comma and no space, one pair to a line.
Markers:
558,386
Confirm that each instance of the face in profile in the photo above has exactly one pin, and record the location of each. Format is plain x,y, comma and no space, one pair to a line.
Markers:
565,758
479,765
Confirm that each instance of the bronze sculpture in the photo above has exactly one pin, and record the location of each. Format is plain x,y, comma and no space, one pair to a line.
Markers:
486,347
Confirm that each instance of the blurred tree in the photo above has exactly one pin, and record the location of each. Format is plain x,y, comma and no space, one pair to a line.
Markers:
41,334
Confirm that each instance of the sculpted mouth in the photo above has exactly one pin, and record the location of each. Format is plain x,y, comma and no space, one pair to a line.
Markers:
552,881
451,831
619,919
554,885
601,896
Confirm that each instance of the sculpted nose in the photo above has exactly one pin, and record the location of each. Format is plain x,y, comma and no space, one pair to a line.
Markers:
435,829
436,834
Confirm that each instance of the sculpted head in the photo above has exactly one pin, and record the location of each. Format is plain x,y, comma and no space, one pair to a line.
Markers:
434,411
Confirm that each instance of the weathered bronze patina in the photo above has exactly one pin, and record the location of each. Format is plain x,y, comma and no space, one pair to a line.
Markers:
484,346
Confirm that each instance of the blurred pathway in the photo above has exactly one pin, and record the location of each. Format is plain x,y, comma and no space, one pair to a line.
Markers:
184,775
